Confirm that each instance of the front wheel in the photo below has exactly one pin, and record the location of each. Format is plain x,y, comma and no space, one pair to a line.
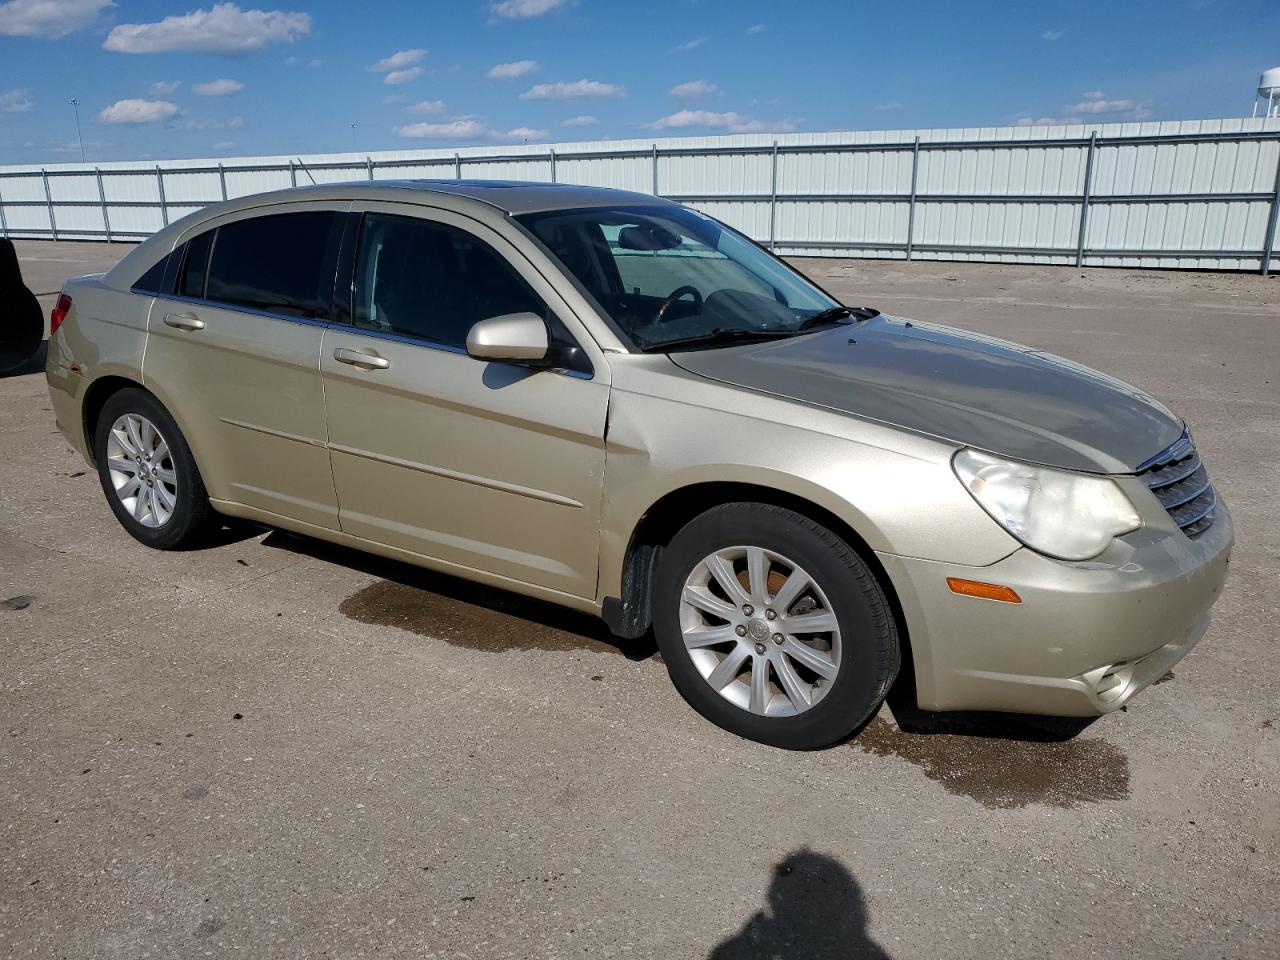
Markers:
772,627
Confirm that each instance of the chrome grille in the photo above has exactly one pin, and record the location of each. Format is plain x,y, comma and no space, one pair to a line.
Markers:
1181,484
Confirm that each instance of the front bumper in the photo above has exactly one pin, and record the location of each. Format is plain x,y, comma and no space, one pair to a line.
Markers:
1086,636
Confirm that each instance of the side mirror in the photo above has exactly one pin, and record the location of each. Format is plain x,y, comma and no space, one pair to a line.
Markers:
513,337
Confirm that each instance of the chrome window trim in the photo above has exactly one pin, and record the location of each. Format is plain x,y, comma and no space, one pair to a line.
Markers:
235,308
345,327
443,347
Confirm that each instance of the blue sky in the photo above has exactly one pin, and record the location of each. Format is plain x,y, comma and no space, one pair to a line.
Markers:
163,80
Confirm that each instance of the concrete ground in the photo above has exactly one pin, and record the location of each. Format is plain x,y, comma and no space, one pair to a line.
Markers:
274,747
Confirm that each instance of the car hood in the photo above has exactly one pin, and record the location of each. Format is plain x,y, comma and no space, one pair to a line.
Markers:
963,387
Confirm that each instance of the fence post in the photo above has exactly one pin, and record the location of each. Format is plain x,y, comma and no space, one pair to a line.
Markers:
48,199
1084,197
655,169
102,198
368,164
773,198
553,165
222,180
1270,241
293,174
4,224
911,209
457,167
164,207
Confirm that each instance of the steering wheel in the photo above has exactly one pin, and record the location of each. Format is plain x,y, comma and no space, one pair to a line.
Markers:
676,295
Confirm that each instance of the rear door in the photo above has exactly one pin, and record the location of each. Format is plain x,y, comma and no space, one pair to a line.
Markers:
489,466
234,352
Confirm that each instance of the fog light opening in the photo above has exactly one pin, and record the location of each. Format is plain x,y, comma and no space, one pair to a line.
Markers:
1114,682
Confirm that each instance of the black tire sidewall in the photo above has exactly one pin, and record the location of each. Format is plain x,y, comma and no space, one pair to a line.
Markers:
192,507
870,655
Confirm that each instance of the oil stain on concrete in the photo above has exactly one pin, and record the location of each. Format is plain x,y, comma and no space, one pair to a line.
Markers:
477,618
996,764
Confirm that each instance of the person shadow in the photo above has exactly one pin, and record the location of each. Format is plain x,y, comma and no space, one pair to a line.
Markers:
816,911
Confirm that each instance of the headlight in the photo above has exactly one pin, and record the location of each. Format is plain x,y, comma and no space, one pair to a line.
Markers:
1070,516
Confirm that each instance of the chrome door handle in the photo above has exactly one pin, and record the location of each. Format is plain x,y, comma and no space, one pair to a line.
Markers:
184,321
358,358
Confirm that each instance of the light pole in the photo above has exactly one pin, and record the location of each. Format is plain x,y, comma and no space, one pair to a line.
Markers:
75,105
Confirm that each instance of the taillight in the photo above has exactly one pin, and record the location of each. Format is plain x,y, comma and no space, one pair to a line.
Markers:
59,312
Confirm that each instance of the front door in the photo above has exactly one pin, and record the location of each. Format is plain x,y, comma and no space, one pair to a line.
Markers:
487,466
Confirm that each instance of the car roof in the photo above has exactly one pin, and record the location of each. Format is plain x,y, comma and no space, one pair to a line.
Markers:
509,196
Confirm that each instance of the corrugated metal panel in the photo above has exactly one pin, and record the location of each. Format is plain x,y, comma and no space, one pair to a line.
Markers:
1005,194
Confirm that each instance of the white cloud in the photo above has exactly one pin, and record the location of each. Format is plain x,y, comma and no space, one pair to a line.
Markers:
582,120
224,28
314,63
521,133
694,88
50,19
16,101
460,128
1096,102
688,45
396,77
733,122
1041,122
1053,34
756,28
217,88
888,105
522,9
399,60
424,107
236,122
577,90
505,71
162,88
138,111
224,145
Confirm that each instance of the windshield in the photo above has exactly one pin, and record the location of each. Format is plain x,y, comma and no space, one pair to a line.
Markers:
669,276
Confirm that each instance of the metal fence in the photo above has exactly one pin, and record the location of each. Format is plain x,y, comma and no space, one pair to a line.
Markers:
1199,194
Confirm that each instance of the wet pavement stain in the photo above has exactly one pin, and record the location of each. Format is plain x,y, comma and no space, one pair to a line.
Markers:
477,618
1002,772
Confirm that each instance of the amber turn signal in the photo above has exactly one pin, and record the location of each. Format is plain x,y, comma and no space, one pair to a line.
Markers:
984,591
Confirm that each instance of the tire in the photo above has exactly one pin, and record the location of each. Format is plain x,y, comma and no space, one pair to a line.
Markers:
174,512
847,670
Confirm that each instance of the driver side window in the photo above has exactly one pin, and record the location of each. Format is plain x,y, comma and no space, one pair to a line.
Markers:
431,281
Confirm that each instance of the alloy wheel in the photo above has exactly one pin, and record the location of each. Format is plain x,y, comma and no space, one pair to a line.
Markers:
760,631
140,465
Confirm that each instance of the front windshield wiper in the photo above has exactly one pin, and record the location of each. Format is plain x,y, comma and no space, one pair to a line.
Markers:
833,314
718,335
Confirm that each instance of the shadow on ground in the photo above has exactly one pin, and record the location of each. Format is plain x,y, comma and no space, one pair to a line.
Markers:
815,911
1002,761
460,612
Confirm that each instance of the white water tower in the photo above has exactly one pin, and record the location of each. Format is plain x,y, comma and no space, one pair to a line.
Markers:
1269,93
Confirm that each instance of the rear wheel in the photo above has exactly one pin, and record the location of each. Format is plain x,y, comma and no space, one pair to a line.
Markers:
148,474
772,627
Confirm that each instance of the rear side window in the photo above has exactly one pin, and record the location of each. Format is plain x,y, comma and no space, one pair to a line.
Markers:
432,281
276,263
153,280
